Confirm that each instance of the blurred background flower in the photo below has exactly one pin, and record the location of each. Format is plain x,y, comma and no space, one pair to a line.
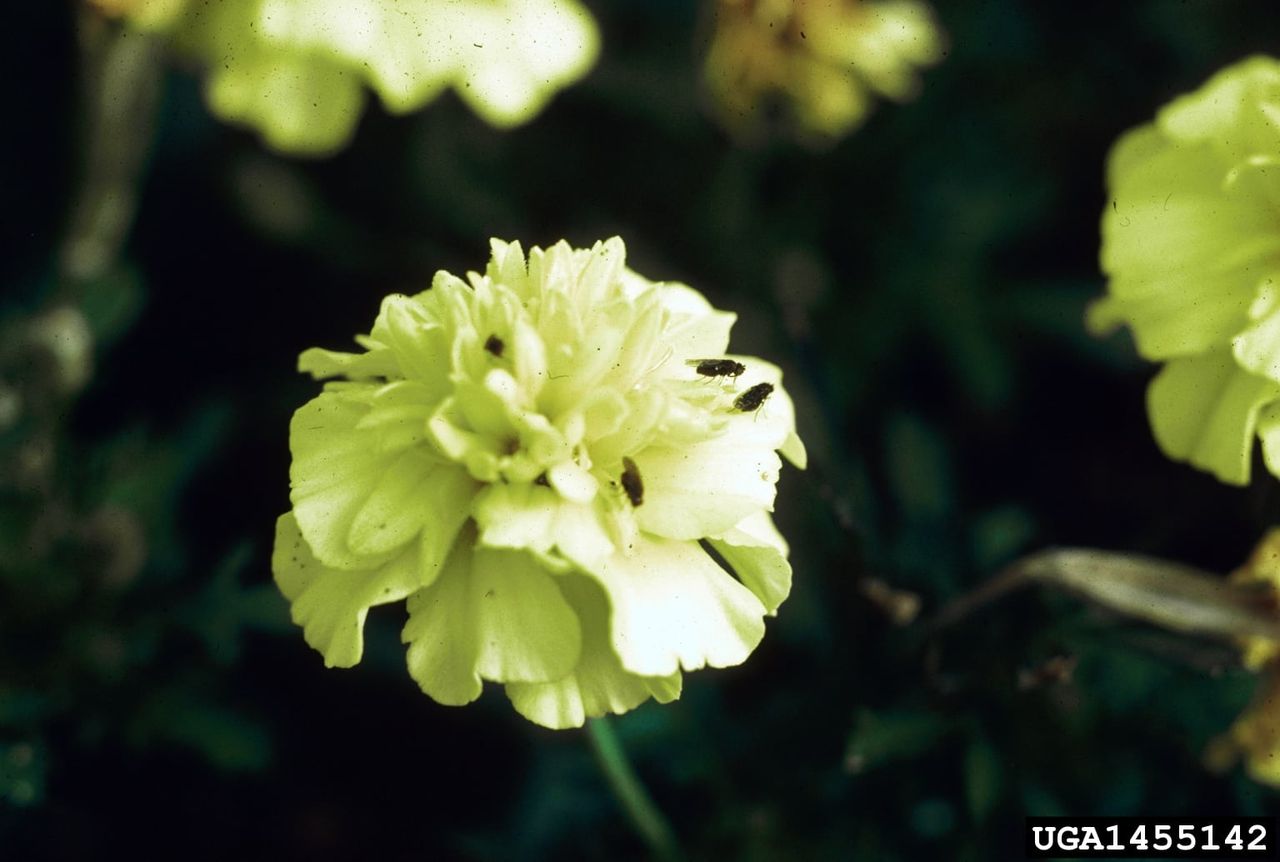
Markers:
296,70
822,63
1255,734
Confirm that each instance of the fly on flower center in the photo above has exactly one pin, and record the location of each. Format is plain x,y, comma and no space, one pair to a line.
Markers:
631,482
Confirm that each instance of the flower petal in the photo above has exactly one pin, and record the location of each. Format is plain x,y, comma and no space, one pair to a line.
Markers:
1257,348
321,364
580,533
535,518
758,554
331,605
674,607
1269,433
446,497
1204,409
1230,110
1182,248
706,488
335,469
491,614
417,342
516,516
443,641
527,631
598,684
695,329
300,103
773,424
398,506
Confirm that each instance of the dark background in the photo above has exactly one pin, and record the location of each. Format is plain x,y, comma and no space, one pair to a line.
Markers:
923,284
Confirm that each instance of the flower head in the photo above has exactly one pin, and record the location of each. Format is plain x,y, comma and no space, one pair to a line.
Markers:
532,459
1191,243
826,58
295,70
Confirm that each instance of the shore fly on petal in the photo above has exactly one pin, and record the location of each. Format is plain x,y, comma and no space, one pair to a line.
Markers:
717,367
753,398
632,484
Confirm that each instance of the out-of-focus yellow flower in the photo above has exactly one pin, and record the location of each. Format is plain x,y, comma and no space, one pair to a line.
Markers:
1262,569
825,59
1255,735
296,70
147,14
1191,243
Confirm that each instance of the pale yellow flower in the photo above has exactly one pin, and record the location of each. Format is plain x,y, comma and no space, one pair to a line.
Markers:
537,459
297,70
1255,735
1191,246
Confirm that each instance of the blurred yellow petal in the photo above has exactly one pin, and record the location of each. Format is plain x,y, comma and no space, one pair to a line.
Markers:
1204,410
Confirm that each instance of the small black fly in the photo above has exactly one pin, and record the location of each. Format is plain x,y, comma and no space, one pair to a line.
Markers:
494,345
717,367
753,398
632,484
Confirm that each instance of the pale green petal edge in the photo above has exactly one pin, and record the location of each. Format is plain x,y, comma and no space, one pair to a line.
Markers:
1205,409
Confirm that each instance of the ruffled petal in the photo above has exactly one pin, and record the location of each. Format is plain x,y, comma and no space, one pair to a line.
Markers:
1184,248
580,534
1230,110
527,631
705,488
1257,348
445,496
1269,433
758,555
773,424
412,49
416,341
1204,410
322,364
330,604
673,607
695,329
535,518
442,637
598,684
335,469
397,508
299,101
516,516
493,615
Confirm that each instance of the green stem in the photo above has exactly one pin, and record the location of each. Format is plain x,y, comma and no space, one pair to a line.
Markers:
635,800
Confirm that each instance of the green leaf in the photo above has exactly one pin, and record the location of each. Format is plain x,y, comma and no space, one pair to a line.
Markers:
983,779
183,714
889,736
